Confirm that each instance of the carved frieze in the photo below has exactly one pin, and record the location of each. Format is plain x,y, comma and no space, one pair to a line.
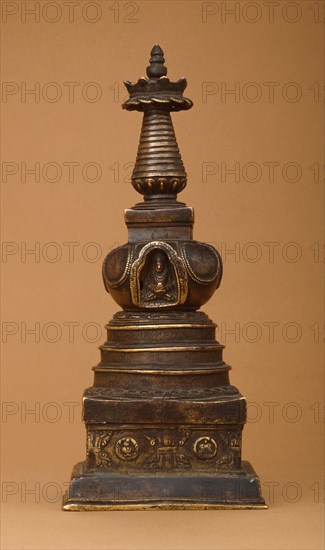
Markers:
161,449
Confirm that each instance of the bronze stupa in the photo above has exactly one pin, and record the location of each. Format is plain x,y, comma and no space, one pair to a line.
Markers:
164,425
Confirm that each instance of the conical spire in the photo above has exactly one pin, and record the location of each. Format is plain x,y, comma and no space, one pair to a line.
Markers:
159,167
159,170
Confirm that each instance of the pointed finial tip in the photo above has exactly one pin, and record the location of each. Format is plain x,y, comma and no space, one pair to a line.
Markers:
156,50
156,68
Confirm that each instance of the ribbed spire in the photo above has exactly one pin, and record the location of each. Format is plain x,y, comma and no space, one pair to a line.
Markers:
159,170
159,167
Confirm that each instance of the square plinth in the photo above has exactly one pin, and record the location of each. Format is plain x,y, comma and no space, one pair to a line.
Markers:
92,490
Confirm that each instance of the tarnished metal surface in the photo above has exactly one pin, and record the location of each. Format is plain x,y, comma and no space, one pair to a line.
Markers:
164,425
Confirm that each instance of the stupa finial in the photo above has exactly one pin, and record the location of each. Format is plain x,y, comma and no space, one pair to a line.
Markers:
156,69
159,171
157,90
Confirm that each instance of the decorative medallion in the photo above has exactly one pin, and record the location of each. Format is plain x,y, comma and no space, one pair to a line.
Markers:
127,448
205,448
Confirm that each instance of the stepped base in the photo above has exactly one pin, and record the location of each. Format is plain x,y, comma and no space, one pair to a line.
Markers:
92,490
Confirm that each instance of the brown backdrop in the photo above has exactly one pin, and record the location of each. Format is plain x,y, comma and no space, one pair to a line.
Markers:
252,147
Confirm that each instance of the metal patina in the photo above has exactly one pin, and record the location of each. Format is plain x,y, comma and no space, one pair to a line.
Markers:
164,425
